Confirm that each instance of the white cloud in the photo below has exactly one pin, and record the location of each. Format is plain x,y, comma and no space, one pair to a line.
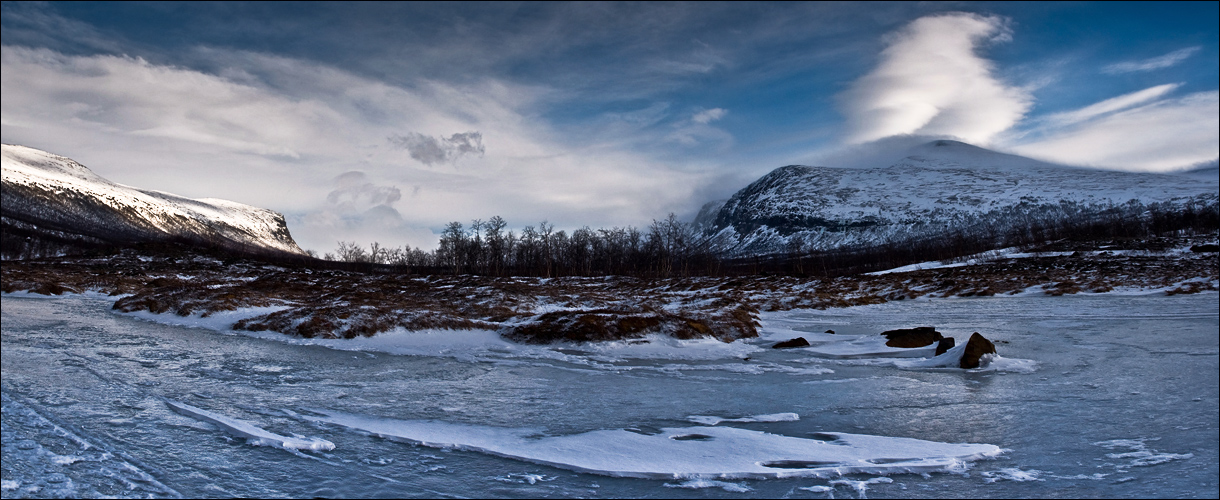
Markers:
275,132
708,116
931,81
1163,135
1150,64
1111,105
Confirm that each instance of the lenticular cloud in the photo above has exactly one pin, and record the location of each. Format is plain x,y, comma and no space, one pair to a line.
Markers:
931,81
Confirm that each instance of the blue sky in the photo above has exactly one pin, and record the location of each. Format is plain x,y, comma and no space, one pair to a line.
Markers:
384,121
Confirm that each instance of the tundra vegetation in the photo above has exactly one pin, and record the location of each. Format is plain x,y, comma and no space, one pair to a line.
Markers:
345,300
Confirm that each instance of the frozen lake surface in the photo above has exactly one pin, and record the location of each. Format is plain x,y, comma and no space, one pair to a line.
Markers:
1094,396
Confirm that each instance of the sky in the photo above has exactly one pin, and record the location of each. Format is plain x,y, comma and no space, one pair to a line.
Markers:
384,121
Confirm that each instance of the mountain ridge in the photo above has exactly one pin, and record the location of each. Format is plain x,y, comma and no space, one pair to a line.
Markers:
939,186
53,197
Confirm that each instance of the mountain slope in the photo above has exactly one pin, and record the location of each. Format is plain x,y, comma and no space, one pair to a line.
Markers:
52,197
938,186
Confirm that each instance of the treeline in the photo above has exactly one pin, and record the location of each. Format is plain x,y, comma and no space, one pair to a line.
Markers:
1020,228
667,248
670,248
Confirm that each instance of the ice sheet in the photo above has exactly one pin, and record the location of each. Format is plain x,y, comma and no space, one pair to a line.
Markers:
253,434
681,453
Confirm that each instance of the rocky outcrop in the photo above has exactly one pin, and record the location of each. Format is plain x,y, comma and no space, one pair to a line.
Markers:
912,337
976,347
944,345
788,344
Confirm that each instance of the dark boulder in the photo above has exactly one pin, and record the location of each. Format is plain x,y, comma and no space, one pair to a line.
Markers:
912,337
796,342
1205,248
944,345
832,332
976,347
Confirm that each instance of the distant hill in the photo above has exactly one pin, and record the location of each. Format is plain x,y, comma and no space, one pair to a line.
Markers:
51,202
935,188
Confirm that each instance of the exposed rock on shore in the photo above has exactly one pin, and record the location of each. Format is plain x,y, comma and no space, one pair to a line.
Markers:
976,347
944,345
788,344
912,337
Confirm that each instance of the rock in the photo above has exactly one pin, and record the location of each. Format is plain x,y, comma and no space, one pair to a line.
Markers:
912,337
944,345
976,347
1205,248
796,342
832,332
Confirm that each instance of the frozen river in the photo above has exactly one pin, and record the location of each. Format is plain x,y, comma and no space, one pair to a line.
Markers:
1095,396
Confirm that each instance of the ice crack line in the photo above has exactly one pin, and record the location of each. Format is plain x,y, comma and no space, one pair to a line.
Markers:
126,466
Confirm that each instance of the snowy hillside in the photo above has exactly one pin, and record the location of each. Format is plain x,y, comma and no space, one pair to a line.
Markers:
936,186
51,196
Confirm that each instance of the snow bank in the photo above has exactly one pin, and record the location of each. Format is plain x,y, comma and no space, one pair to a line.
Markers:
681,453
220,321
253,434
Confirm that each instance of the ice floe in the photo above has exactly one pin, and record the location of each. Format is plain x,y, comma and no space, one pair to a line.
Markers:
770,417
1140,455
680,453
860,486
698,484
254,435
1012,474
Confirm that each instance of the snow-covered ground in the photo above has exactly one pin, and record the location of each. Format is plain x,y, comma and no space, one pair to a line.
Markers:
1081,401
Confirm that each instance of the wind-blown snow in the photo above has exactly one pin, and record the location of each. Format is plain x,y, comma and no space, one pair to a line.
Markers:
684,453
253,434
171,214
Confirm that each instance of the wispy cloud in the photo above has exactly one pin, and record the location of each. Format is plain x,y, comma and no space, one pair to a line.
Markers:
708,116
286,127
1150,64
931,81
1110,105
1165,134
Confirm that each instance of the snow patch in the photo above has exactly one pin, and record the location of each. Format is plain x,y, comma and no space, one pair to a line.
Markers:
1140,455
861,486
698,484
681,453
1012,474
770,417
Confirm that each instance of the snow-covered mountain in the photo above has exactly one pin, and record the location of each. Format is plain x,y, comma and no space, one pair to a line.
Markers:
937,186
49,196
